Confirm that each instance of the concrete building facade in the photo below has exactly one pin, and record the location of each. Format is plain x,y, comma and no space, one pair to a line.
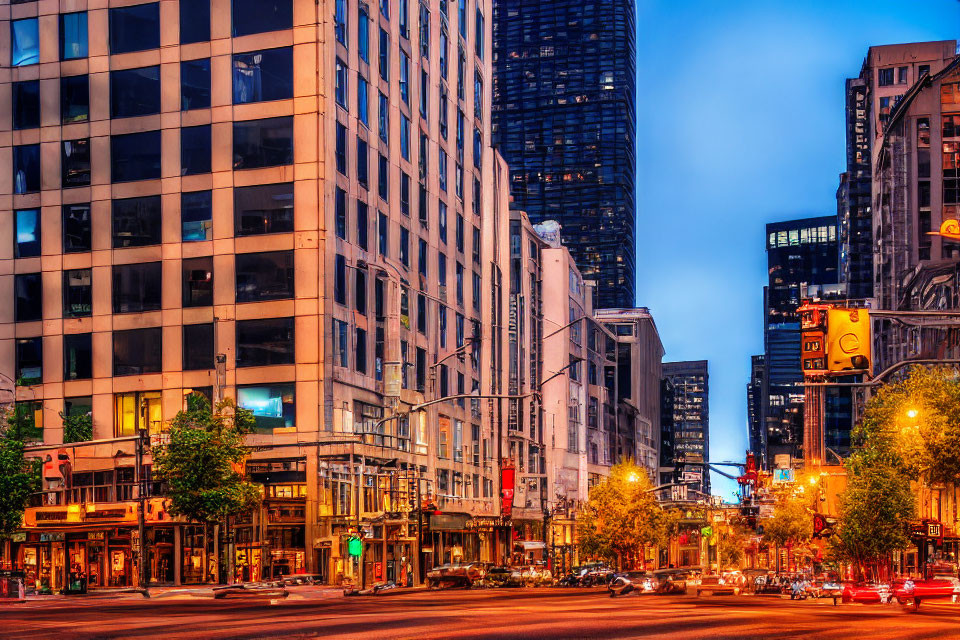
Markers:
690,382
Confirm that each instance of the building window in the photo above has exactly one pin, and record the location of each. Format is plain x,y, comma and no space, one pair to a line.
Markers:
263,208
135,28
363,37
76,228
75,163
265,342
263,143
363,163
384,118
362,222
384,53
26,168
383,178
137,287
273,406
30,361
405,246
198,346
340,343
363,107
78,356
340,90
404,193
137,351
424,92
383,239
263,76
360,292
339,279
24,42
26,105
360,351
424,31
135,92
460,233
136,222
28,297
477,95
901,75
340,21
196,216
405,78
77,293
194,21
195,155
340,213
73,35
478,36
198,282
74,99
442,169
27,241
442,220
135,156
264,276
341,149
195,84
885,77
137,411
261,16
405,137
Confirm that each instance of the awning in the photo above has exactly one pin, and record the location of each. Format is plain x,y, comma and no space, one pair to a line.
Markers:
530,545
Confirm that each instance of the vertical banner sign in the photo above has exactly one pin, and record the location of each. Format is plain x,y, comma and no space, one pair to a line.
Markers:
507,478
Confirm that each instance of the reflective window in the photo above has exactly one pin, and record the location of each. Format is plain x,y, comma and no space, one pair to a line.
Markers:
30,361
263,143
260,16
137,411
135,156
77,356
384,53
198,282
28,292
363,97
136,287
135,28
340,213
362,214
264,276
273,406
194,21
340,81
74,99
383,177
405,78
135,92
384,118
340,280
263,208
77,293
24,42
340,21
196,216
265,342
341,150
75,163
136,222
363,163
137,351
195,155
73,35
26,168
76,227
26,104
198,346
363,37
195,84
27,241
261,76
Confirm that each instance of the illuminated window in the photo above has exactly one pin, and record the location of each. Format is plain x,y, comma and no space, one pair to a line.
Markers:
137,411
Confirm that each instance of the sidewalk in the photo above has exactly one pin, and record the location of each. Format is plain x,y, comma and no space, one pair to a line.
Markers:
193,592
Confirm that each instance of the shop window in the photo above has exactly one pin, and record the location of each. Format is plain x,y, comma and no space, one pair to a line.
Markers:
196,216
136,222
135,28
194,83
262,76
198,282
137,351
136,287
73,35
261,16
26,168
74,99
77,356
198,346
195,156
194,21
263,143
76,228
29,361
273,406
264,276
29,296
137,411
263,208
77,293
135,92
135,156
75,163
27,241
265,342
24,42
26,104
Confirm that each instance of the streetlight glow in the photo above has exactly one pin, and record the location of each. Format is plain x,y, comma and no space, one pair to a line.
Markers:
912,413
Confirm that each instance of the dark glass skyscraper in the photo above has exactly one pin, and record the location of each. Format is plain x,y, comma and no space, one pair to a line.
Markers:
565,121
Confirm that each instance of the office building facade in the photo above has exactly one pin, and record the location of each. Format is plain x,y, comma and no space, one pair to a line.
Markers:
690,382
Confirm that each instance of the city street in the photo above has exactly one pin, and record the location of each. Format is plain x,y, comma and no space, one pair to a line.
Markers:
506,613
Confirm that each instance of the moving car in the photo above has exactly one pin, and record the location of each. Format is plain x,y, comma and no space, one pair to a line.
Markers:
639,582
866,593
717,586
936,588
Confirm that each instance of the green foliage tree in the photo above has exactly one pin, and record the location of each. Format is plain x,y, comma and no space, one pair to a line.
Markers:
731,547
792,520
77,427
622,517
19,477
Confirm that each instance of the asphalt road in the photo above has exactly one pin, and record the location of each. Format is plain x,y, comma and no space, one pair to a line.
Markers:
504,613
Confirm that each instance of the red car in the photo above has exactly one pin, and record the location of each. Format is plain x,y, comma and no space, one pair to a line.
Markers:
936,588
866,593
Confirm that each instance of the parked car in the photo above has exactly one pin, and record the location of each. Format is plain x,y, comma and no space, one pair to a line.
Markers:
672,581
639,582
940,587
716,585
831,589
448,576
496,577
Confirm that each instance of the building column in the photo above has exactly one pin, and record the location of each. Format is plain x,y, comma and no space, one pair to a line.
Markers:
311,529
177,555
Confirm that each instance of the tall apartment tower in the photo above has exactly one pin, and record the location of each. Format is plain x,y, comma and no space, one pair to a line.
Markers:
691,421
756,434
290,203
854,217
564,108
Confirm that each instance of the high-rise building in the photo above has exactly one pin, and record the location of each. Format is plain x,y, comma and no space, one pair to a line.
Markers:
854,217
756,434
564,108
691,422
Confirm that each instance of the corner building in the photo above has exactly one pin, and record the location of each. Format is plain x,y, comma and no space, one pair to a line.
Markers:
283,202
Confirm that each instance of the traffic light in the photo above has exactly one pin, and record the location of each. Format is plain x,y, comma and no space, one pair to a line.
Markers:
848,340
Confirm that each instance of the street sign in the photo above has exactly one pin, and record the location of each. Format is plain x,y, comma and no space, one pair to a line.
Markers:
782,476
355,547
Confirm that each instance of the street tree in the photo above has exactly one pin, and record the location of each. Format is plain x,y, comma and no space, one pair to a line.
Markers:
731,544
19,476
792,521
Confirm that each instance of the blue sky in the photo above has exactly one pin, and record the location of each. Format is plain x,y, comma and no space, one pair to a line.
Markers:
740,122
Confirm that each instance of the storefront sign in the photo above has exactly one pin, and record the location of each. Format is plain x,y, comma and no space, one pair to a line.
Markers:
934,530
449,521
507,480
95,535
51,537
